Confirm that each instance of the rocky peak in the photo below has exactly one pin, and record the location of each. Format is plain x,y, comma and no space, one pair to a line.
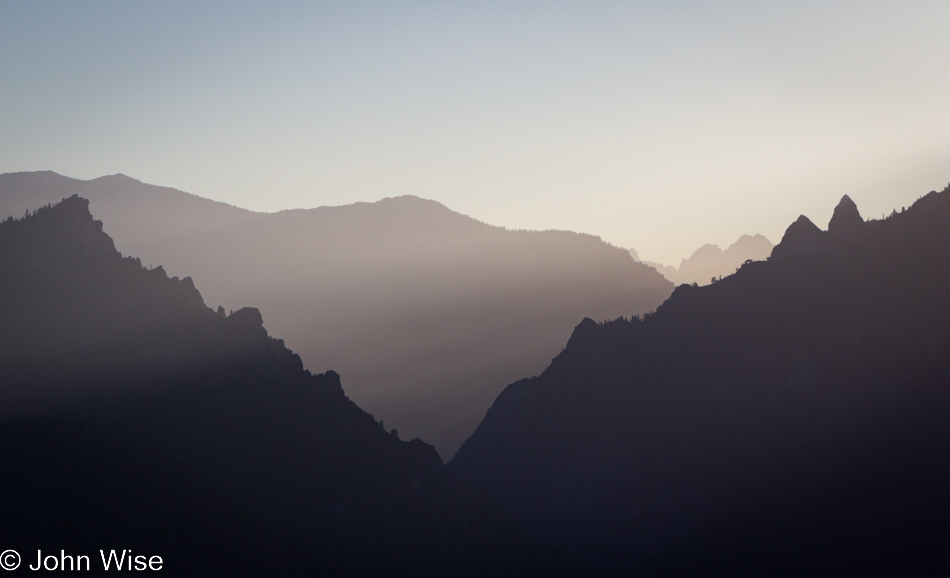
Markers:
801,237
584,334
846,219
247,317
706,251
755,247
64,233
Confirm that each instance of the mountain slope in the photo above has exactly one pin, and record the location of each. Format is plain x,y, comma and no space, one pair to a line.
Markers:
93,336
427,312
789,419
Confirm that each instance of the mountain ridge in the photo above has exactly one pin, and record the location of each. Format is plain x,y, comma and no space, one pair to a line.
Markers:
92,336
714,436
485,305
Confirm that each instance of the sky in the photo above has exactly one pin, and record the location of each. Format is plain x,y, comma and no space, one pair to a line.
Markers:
659,126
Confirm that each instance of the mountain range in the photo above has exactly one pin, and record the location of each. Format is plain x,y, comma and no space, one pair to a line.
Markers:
710,262
428,313
787,420
97,339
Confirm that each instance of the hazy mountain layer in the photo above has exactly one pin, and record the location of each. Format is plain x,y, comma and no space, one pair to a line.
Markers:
710,262
790,419
427,313
93,336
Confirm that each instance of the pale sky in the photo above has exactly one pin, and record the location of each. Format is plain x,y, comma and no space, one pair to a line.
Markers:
659,126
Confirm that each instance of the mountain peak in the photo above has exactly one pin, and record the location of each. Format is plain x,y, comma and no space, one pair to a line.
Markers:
408,200
801,237
584,332
248,317
707,250
74,205
71,222
846,219
117,178
751,239
757,246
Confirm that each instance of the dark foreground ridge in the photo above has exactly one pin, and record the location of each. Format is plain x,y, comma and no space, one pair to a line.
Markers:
97,338
790,419
69,488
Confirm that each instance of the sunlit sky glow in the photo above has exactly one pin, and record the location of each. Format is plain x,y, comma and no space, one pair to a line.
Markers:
659,126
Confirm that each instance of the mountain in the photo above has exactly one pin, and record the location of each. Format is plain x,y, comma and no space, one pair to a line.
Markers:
710,262
91,336
787,420
427,312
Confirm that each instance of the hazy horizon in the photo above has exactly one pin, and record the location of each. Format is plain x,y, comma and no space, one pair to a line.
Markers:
659,128
634,251
30,204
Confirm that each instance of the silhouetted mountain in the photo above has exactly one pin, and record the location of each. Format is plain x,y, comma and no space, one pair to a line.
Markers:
428,313
90,335
139,216
709,261
801,238
846,220
68,487
788,420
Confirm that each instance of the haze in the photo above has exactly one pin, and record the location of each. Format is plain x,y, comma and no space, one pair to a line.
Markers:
660,128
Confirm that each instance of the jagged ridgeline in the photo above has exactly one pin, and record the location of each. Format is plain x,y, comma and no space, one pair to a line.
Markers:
790,419
93,336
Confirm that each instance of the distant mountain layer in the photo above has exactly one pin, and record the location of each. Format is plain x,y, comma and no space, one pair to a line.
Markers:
790,419
91,336
710,262
427,313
